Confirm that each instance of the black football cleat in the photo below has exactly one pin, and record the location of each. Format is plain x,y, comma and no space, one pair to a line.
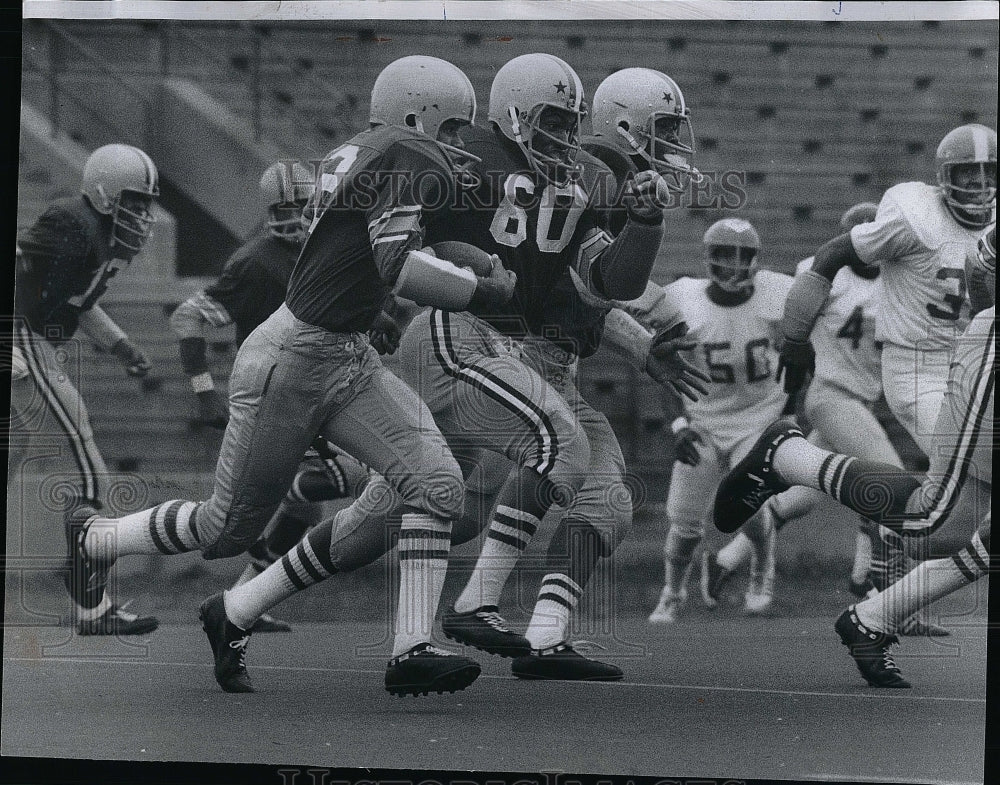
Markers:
425,668
229,645
753,480
117,621
862,589
562,663
714,577
485,629
85,579
870,650
267,623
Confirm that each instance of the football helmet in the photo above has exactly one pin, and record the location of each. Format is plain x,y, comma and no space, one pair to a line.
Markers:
121,181
522,89
423,93
861,213
285,188
967,173
643,112
731,249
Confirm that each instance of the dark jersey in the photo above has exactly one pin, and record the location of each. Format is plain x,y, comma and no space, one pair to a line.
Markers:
64,267
623,167
368,212
537,230
254,280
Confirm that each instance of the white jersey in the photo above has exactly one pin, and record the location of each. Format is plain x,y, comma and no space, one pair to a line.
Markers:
922,250
844,335
737,348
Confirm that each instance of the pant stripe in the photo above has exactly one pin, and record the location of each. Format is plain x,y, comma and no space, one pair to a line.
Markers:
958,466
36,365
965,569
497,389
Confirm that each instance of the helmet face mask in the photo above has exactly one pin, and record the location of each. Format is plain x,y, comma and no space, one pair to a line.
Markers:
967,174
732,247
536,101
120,181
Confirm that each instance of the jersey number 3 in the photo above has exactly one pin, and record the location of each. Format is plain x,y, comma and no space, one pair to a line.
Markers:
954,300
559,209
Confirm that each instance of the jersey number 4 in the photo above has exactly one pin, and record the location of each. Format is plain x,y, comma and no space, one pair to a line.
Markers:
853,328
559,209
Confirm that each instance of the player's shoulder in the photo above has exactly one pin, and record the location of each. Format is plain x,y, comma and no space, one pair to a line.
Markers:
70,211
912,200
611,156
770,292
393,145
686,288
805,264
597,179
492,149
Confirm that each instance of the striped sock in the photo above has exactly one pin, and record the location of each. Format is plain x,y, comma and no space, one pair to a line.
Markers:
508,535
168,528
928,581
549,623
424,542
306,564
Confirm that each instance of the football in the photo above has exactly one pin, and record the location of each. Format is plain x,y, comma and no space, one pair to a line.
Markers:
464,255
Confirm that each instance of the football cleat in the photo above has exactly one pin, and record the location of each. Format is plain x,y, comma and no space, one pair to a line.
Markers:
861,590
563,663
756,603
229,645
425,668
668,607
85,580
485,629
713,578
117,621
753,480
267,623
870,650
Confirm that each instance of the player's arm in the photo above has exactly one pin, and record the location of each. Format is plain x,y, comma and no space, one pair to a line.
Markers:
396,232
103,331
189,322
686,438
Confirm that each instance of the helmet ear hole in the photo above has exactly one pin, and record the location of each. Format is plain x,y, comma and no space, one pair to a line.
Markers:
411,120
623,124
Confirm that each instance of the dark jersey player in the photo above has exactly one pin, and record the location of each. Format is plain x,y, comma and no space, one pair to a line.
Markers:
310,370
252,287
65,262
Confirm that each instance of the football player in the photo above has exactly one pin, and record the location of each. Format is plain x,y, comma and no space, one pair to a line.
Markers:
310,370
65,262
846,383
252,287
955,491
734,318
921,236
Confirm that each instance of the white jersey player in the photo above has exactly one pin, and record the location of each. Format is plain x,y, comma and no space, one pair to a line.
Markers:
734,318
920,237
847,381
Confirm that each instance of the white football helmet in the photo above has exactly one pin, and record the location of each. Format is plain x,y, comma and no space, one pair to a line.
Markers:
643,112
522,89
285,188
969,150
732,246
423,93
121,181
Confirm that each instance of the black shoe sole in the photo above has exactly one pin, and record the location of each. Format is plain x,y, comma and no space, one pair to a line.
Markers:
131,628
505,652
453,681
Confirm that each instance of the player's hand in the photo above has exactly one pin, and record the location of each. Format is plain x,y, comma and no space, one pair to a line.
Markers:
684,446
667,366
646,197
136,363
384,334
213,410
496,289
796,362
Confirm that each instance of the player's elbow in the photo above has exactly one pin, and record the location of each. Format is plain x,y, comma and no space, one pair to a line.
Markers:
185,321
834,255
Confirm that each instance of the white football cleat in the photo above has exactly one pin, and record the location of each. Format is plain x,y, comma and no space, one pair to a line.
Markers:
760,590
667,608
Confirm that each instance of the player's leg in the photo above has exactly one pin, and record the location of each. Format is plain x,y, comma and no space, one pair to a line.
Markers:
687,502
869,628
915,382
593,526
473,379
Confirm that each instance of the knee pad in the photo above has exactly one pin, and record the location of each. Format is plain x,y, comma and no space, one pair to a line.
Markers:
569,471
440,493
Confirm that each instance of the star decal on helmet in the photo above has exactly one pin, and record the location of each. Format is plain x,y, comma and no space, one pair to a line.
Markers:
560,87
667,97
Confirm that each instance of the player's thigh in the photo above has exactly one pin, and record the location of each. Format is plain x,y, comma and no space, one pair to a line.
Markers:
692,488
497,402
915,383
847,425
386,426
